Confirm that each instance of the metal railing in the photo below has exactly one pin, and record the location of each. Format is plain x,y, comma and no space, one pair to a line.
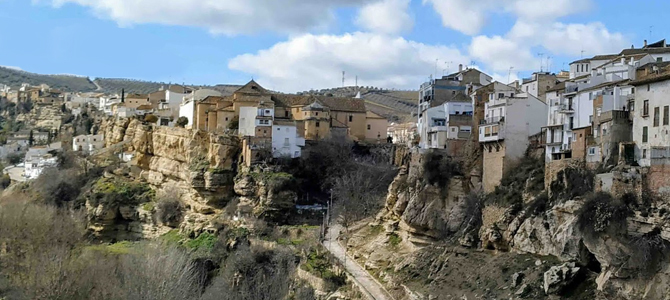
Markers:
492,120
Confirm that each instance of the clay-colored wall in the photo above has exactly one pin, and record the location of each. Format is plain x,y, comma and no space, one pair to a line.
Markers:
357,125
494,167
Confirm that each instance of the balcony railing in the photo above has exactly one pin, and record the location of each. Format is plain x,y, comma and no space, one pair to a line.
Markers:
492,120
565,108
438,129
490,133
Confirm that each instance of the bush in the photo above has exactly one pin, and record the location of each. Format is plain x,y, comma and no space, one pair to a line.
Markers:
5,181
118,191
571,183
15,158
182,122
527,176
602,214
234,123
169,209
150,118
438,168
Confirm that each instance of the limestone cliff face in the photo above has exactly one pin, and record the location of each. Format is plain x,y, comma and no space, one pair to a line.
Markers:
265,195
426,211
199,165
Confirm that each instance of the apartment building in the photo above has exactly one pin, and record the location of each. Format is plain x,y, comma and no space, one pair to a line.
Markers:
510,119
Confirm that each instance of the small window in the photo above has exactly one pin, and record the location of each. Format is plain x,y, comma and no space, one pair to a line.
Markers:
351,118
648,88
644,153
317,113
645,134
657,116
368,126
317,124
645,108
278,129
666,115
659,59
226,118
286,113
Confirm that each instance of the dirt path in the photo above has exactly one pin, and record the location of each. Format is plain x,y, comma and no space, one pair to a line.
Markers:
369,286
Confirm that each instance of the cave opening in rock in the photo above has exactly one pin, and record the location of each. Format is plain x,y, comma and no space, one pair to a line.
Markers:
588,259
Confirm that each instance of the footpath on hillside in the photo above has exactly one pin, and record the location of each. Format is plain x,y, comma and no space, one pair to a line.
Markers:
369,286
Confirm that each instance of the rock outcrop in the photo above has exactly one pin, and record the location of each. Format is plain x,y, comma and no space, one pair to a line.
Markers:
426,211
200,165
559,278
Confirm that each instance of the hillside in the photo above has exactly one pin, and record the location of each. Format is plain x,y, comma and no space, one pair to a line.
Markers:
15,78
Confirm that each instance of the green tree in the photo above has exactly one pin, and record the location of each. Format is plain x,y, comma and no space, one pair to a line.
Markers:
31,139
182,122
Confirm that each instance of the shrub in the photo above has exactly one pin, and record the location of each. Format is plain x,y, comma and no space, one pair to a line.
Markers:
150,119
234,123
5,181
602,214
182,122
169,209
394,240
438,168
571,183
116,191
648,252
204,242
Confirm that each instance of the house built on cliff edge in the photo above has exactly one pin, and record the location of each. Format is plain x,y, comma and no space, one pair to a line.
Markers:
280,123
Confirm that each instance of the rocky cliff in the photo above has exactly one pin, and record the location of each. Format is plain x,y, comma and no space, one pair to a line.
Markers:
614,244
197,165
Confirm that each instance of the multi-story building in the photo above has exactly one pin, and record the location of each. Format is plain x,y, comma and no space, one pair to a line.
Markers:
376,130
454,88
510,119
88,143
187,107
538,84
651,114
39,158
286,142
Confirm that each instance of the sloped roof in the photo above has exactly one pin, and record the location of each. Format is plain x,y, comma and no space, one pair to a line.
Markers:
144,107
137,96
372,115
252,88
334,103
558,87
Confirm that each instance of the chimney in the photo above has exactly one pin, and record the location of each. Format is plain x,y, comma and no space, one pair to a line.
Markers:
460,68
645,43
123,95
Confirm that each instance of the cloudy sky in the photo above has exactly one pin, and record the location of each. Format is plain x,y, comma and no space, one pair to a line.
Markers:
295,45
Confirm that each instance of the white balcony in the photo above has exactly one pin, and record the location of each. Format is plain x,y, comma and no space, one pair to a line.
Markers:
491,133
438,129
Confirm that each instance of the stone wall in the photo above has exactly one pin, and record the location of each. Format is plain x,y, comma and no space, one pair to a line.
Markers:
552,168
493,166
658,178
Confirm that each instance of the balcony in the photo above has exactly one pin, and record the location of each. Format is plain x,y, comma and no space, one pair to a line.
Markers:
493,120
438,129
491,133
566,109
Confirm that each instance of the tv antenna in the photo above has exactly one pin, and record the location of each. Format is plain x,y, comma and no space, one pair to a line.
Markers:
541,55
509,74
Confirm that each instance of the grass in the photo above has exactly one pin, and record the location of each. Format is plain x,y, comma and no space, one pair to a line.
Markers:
149,206
205,241
124,247
172,237
270,175
394,240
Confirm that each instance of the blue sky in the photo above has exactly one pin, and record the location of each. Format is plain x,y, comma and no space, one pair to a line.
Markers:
291,46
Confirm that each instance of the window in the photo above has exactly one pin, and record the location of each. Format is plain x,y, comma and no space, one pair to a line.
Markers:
659,59
644,153
286,143
657,116
645,108
592,151
368,126
666,115
453,93
286,113
590,118
351,118
317,124
645,134
317,113
226,118
648,88
501,95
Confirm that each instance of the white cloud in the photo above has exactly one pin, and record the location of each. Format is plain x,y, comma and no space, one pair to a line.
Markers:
592,38
547,10
500,53
386,16
514,48
470,16
228,17
317,61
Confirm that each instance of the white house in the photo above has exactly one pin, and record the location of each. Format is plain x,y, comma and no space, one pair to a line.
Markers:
509,122
256,121
651,117
39,158
88,143
187,107
285,140
106,103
